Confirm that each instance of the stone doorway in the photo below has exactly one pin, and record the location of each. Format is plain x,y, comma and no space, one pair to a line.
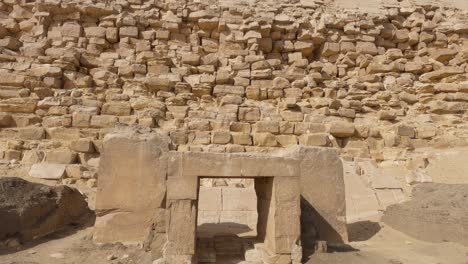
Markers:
278,209
148,195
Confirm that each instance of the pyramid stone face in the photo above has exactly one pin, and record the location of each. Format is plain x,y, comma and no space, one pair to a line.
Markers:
365,81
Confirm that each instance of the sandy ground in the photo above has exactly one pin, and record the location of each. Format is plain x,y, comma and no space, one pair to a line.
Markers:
73,247
393,247
373,244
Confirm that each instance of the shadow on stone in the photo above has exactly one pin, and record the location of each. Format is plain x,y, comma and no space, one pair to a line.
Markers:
226,228
363,230
312,226
340,247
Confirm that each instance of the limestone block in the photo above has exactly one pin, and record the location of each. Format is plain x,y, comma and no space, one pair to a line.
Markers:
361,201
264,140
287,213
6,120
426,131
366,48
286,140
181,228
245,114
200,138
330,48
18,105
286,127
71,30
103,121
46,70
116,108
206,217
292,116
82,145
81,119
387,115
60,157
316,139
210,199
61,133
131,32
191,59
442,55
47,171
323,167
221,137
182,187
95,32
32,133
75,171
308,127
342,129
32,156
404,130
158,83
220,90
132,179
239,199
266,126
241,139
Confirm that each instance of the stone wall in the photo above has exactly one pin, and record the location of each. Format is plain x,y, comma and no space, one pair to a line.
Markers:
227,77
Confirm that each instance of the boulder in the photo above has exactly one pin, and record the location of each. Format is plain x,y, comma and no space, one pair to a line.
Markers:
32,210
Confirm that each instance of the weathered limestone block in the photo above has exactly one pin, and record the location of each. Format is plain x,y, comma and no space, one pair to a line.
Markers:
158,83
139,190
426,131
404,130
366,48
342,129
266,126
131,32
249,114
330,48
292,116
11,79
221,90
221,137
95,32
116,108
103,121
18,105
82,145
264,140
307,127
181,228
32,133
47,171
316,139
60,157
71,30
241,139
322,207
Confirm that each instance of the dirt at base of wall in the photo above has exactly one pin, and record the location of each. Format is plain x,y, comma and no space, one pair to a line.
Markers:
436,213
